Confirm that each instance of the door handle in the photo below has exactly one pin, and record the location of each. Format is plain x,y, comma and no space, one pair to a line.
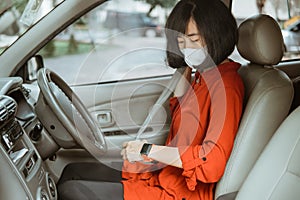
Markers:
104,118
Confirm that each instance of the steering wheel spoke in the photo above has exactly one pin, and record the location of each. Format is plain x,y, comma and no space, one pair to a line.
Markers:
71,112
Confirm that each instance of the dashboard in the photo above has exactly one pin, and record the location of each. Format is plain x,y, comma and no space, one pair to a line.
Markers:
22,173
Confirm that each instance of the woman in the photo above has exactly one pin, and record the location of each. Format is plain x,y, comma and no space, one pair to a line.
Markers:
205,112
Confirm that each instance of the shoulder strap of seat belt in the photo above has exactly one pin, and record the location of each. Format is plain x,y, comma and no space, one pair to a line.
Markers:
161,100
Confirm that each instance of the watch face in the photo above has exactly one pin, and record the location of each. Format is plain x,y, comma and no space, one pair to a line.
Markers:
146,149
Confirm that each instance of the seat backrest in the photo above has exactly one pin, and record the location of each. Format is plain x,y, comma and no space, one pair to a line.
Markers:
268,96
276,174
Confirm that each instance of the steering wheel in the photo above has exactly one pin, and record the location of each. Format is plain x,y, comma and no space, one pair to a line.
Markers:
70,111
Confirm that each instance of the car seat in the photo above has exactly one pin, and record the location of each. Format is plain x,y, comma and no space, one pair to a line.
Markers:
276,174
268,96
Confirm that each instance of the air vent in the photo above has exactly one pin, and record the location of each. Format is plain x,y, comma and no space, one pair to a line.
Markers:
8,107
52,187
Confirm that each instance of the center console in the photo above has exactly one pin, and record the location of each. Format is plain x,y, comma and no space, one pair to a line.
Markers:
22,172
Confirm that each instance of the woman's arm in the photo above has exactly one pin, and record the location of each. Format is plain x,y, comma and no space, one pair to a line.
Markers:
164,154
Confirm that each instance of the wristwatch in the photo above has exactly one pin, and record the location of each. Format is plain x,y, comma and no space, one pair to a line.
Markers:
146,149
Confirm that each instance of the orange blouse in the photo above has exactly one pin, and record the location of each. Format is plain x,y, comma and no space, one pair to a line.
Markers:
204,124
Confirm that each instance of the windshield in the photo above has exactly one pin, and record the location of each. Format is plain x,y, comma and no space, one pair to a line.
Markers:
17,16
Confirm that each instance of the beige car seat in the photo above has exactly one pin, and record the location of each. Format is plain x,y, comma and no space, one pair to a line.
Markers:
276,174
268,96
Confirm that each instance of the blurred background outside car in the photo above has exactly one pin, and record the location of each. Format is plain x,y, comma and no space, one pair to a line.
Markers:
291,35
126,36
123,21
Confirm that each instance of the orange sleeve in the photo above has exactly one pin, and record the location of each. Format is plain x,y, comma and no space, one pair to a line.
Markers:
206,162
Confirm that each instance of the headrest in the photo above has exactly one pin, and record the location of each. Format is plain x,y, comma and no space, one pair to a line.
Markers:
260,40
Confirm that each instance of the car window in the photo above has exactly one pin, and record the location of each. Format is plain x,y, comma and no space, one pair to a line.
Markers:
111,44
286,13
17,16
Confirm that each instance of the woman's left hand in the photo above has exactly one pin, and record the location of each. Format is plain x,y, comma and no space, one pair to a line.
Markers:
131,150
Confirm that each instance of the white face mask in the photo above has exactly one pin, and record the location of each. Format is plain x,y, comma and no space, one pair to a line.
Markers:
194,57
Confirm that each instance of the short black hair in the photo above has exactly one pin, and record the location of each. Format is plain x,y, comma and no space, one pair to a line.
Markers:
215,23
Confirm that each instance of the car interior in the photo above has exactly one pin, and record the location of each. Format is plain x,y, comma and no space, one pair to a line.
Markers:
264,164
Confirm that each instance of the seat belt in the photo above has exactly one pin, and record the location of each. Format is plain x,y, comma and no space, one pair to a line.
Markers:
161,100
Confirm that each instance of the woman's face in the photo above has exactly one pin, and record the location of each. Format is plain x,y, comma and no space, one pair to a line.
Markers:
191,38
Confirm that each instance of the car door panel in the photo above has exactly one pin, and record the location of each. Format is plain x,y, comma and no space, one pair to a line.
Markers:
127,104
120,108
